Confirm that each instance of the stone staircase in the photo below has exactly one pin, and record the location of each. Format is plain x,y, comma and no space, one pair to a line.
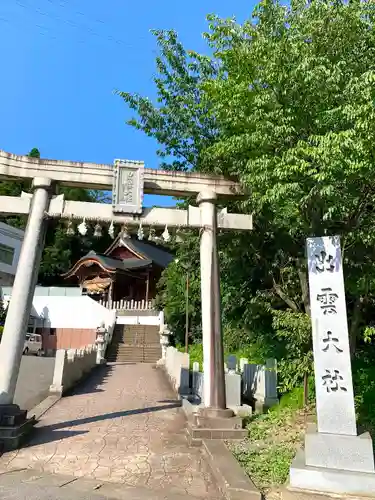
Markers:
134,344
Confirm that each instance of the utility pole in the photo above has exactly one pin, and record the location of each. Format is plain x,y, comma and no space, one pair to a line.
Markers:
187,313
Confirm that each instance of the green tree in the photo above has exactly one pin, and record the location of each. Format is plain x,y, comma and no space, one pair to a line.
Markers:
60,250
173,286
181,123
302,134
15,188
2,313
285,103
34,153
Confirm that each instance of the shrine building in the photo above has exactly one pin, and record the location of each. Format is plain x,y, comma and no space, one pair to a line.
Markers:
128,270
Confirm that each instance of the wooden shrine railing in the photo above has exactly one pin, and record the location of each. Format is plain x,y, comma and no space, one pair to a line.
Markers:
129,305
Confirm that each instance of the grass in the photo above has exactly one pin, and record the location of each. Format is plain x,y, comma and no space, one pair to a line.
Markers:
275,437
364,388
273,441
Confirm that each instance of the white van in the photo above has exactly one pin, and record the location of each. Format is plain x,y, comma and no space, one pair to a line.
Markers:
33,344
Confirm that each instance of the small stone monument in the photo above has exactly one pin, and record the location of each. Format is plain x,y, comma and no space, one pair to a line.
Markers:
233,389
232,363
266,386
335,458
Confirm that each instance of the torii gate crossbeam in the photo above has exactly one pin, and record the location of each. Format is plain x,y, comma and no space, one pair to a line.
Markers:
97,176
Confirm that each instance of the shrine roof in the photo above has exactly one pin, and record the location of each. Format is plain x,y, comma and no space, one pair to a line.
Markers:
145,250
108,263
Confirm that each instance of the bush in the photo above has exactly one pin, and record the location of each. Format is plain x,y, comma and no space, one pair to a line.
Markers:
364,387
196,354
293,400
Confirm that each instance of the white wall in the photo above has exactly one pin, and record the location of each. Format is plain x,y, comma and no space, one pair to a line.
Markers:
13,238
58,291
139,319
71,312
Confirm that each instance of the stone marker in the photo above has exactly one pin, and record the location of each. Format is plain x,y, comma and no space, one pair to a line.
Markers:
335,459
266,391
233,389
196,383
260,383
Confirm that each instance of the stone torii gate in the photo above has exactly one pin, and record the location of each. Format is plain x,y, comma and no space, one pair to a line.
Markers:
128,181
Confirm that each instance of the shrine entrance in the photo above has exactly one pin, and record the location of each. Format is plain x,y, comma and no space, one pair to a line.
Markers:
129,181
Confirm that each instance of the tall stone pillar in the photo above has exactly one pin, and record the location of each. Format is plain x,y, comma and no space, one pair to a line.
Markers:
214,420
19,308
213,355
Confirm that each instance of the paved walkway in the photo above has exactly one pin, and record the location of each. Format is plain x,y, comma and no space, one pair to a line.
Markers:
33,382
122,426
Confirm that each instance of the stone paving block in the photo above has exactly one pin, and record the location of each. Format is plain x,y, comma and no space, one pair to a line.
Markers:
124,429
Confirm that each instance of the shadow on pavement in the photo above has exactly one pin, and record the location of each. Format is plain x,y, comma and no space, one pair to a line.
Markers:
49,433
40,437
92,383
110,416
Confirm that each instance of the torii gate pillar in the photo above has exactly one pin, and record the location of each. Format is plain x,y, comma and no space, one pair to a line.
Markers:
213,354
214,420
19,308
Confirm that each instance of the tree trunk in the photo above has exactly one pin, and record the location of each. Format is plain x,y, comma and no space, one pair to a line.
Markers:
302,274
356,319
285,297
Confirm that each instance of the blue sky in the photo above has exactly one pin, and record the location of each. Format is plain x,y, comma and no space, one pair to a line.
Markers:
62,59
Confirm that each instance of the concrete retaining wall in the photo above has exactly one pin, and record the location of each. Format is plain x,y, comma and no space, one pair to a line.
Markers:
177,367
71,366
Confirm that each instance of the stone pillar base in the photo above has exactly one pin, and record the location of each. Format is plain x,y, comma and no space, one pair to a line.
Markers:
212,413
337,451
14,427
335,463
327,480
214,423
